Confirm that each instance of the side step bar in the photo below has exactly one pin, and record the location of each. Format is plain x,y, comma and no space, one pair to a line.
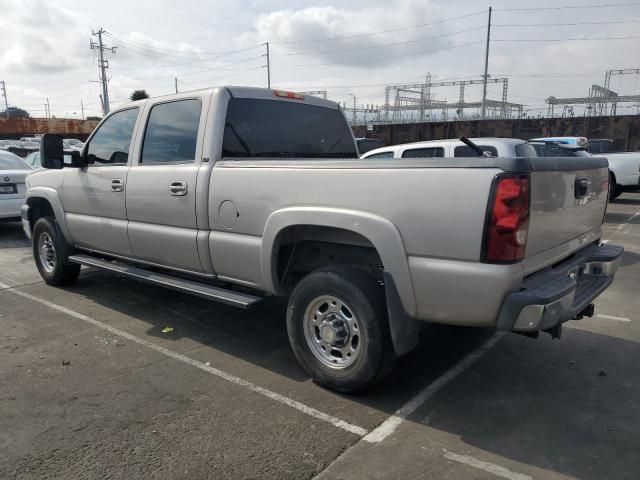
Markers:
210,292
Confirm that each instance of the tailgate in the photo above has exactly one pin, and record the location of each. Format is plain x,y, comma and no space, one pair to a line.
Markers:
568,200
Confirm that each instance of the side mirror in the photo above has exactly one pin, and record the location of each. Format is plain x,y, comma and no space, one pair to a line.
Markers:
52,151
73,159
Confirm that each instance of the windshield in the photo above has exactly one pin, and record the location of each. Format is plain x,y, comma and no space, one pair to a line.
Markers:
279,129
9,163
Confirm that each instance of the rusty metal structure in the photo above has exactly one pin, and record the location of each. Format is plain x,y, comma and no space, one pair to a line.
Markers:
27,126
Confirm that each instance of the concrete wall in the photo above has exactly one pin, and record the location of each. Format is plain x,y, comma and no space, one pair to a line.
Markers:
26,127
624,129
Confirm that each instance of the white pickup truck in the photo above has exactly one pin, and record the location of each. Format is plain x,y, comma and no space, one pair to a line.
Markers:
235,193
624,167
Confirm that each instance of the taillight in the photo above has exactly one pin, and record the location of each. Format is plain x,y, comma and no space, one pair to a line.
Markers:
507,223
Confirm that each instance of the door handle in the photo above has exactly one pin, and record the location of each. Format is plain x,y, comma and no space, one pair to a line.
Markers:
117,185
178,188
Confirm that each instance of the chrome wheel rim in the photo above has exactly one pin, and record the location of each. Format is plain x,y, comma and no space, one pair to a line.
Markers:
332,331
47,252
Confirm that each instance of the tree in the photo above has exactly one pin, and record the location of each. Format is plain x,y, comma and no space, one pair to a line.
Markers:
139,95
14,112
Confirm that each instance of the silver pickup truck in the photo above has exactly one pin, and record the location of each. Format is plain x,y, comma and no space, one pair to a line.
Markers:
235,193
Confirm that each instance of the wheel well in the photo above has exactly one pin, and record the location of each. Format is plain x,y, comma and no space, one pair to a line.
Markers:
301,249
613,177
38,208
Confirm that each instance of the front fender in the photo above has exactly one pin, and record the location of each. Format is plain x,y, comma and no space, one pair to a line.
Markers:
51,195
382,233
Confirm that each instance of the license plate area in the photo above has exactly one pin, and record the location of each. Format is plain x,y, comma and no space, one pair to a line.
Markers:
8,188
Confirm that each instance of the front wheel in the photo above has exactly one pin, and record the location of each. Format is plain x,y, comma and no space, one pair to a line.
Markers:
51,251
338,328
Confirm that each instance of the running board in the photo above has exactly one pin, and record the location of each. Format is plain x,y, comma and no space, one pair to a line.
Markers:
210,292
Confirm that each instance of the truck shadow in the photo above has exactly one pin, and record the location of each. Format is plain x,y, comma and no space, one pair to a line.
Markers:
13,236
542,403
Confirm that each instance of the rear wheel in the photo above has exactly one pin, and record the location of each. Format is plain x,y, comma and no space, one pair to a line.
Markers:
51,252
338,328
614,189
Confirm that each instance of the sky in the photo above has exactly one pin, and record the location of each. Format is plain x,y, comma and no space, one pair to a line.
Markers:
348,48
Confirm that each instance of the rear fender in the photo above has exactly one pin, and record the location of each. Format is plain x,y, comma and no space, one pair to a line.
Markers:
382,234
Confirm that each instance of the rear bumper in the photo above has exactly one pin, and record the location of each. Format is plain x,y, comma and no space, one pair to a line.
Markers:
562,292
10,207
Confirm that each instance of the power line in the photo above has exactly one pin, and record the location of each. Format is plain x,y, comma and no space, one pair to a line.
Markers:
372,59
151,77
178,52
358,35
565,24
387,44
567,7
568,39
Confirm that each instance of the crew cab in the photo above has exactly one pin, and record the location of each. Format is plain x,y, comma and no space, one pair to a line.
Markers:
235,194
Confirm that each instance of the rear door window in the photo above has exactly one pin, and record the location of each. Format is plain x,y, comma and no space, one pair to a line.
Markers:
279,129
171,135
464,151
424,152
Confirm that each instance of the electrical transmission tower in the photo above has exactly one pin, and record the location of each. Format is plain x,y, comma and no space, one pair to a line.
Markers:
103,64
4,94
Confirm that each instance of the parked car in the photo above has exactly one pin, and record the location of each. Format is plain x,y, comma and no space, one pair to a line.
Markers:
367,144
5,144
496,147
237,193
624,166
13,171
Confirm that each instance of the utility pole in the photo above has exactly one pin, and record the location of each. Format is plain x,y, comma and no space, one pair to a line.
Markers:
82,108
176,83
104,64
353,122
48,108
268,65
4,94
486,71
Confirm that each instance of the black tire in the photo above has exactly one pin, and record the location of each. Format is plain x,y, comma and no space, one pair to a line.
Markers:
362,294
614,189
59,270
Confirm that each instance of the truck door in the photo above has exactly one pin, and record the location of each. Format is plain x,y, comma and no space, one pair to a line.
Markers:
161,191
94,197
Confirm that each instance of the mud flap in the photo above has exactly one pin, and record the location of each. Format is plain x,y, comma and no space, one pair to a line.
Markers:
404,330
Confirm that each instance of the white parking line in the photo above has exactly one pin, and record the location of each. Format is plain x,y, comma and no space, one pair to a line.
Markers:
627,220
486,466
393,422
613,317
336,422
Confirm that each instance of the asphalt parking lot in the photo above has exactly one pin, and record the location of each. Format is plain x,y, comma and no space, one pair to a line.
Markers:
91,387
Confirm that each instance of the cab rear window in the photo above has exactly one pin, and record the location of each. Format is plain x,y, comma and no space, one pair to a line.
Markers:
278,129
464,151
